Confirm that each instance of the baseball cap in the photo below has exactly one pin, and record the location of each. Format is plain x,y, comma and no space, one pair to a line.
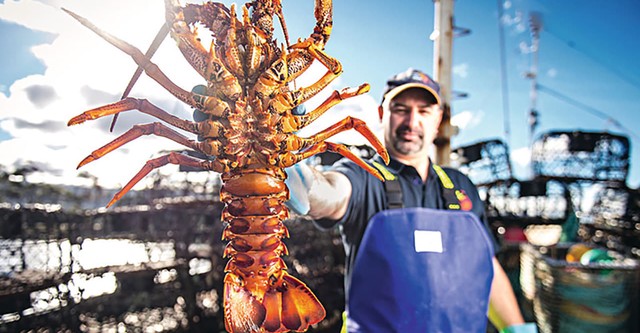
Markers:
411,78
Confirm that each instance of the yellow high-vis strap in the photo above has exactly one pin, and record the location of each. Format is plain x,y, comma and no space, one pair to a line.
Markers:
384,171
343,329
446,181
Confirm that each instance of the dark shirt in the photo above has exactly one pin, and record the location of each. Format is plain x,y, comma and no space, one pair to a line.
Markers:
368,197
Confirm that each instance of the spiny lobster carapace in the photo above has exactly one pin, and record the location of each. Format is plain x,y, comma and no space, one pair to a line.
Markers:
248,131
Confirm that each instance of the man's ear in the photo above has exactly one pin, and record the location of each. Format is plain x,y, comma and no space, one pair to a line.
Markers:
380,112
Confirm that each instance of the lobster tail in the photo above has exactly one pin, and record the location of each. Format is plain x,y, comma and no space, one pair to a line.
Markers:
291,306
243,313
259,294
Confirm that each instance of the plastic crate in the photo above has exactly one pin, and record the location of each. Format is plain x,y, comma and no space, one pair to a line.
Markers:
573,297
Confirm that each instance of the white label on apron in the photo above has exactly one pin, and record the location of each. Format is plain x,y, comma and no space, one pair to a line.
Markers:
428,241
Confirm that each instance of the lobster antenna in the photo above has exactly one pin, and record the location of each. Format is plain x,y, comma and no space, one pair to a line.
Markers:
157,41
283,25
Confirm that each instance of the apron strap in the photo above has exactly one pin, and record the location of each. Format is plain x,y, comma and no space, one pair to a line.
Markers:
394,191
391,187
449,190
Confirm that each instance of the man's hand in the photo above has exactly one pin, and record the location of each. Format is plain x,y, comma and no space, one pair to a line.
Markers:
299,180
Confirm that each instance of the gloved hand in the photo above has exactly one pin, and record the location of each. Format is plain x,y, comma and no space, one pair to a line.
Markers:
299,180
521,328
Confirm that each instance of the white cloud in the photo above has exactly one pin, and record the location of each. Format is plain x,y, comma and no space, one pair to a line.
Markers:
461,70
467,119
83,72
78,61
462,119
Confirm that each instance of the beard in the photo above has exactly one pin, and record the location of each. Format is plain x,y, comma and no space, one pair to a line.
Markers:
406,146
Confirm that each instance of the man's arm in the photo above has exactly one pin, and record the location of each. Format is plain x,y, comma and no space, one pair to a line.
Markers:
502,299
326,193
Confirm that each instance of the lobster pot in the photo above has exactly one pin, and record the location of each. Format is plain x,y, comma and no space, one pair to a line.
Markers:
614,221
485,162
521,203
572,156
572,297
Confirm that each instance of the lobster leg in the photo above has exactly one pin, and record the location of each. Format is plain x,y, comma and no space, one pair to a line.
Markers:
262,17
344,125
171,158
288,159
138,131
209,128
129,104
290,99
232,57
253,48
294,123
207,64
324,22
186,40
300,59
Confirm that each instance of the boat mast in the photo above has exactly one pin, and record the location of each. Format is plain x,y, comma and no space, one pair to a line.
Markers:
442,68
535,24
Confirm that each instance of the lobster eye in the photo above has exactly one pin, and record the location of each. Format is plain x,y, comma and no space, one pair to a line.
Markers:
299,110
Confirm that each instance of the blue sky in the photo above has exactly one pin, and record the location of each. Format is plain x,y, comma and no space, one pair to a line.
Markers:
52,68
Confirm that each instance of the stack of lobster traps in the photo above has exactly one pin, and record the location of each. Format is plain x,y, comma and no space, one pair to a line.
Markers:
138,267
595,167
614,220
577,198
131,268
511,202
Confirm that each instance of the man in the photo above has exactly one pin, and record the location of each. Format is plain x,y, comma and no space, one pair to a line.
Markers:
348,197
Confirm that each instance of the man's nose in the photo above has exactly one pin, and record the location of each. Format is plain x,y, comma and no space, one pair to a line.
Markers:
412,119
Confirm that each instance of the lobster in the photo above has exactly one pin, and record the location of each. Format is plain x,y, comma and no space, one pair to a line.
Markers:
247,129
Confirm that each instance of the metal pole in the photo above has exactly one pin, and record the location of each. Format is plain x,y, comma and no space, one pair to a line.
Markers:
535,25
442,64
503,72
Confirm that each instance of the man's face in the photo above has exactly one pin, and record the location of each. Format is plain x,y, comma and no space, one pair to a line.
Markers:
411,122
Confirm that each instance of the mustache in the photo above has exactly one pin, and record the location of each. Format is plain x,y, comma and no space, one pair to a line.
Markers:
406,129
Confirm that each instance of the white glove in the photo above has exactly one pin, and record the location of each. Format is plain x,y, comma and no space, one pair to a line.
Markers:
299,180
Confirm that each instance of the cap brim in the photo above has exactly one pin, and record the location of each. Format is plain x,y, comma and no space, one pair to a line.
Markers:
397,90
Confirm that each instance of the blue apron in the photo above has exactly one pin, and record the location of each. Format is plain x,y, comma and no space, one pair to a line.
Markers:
421,270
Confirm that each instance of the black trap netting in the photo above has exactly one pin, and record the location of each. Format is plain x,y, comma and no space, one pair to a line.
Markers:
509,200
145,268
537,201
485,162
614,220
571,156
